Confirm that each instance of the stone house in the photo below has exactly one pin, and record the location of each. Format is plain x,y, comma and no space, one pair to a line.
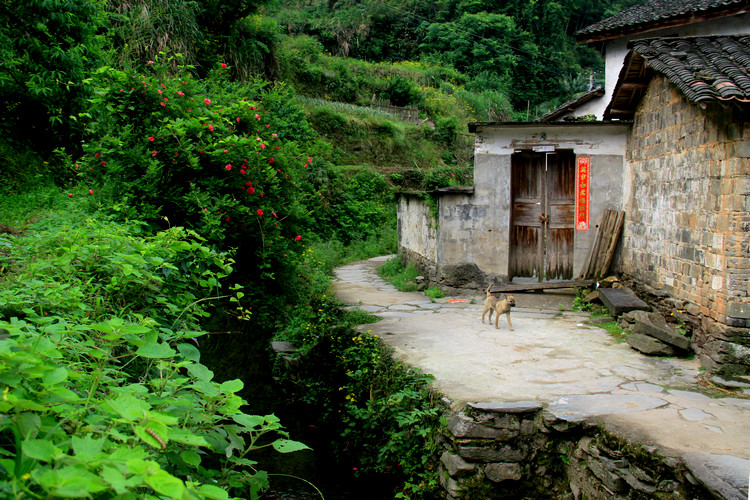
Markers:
670,147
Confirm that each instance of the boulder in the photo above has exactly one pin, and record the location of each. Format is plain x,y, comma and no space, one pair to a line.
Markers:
654,325
649,345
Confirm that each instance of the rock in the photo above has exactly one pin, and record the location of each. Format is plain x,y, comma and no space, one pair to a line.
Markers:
601,320
633,316
724,476
462,426
456,466
508,407
502,472
692,309
593,296
649,345
676,303
608,281
283,347
487,455
654,325
462,275
609,479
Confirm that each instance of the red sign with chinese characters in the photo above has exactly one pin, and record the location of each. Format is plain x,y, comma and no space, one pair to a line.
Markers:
583,186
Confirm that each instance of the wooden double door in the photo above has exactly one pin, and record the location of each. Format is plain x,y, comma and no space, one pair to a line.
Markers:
542,215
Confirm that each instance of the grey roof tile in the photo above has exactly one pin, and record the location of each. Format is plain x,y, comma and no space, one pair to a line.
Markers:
658,12
703,68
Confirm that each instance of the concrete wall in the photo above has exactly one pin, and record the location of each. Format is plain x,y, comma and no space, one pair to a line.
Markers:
469,243
417,232
687,228
605,143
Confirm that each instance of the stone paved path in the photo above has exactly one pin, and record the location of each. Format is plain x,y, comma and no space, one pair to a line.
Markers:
555,357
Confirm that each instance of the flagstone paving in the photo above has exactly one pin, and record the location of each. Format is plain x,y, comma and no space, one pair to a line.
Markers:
555,357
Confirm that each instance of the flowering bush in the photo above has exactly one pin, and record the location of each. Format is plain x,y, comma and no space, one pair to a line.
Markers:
220,158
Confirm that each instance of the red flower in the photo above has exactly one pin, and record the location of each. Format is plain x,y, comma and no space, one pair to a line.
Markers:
257,116
227,218
211,128
259,212
103,163
180,93
238,119
251,190
297,238
154,153
70,195
151,138
91,191
275,135
163,104
207,101
228,167
243,172
224,65
270,160
309,160
262,146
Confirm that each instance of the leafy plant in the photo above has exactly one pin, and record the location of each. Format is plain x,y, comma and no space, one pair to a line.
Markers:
103,390
434,293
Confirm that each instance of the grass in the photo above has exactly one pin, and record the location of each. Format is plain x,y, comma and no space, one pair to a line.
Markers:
27,205
400,276
358,316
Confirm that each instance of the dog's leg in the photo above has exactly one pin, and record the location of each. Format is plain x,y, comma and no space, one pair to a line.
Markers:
507,315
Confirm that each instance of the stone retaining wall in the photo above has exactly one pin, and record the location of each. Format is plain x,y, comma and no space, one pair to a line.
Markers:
520,450
687,228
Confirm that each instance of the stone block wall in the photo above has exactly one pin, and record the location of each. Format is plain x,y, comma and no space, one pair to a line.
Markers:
687,227
519,450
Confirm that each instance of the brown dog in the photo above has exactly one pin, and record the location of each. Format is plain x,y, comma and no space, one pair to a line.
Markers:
492,303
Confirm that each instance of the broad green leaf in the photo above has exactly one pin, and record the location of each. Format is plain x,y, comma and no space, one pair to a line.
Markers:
200,372
191,458
115,479
87,446
55,376
39,449
155,351
189,351
159,433
212,492
231,386
186,437
208,389
77,482
128,407
249,421
288,446
166,484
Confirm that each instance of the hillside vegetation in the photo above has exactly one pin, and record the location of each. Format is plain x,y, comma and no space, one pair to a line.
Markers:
178,181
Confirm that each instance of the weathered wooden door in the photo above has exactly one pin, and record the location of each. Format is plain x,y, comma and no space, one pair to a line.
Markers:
542,215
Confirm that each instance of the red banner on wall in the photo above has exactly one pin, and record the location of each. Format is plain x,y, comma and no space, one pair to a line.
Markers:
583,186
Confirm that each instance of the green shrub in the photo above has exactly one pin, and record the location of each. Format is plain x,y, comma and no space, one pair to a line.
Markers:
434,293
105,395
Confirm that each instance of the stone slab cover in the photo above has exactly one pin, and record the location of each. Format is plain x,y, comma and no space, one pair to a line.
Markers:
620,300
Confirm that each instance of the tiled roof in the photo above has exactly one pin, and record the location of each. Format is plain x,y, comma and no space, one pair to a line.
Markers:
703,68
570,106
714,68
660,13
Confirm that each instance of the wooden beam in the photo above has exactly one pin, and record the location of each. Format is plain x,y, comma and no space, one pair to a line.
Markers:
545,285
